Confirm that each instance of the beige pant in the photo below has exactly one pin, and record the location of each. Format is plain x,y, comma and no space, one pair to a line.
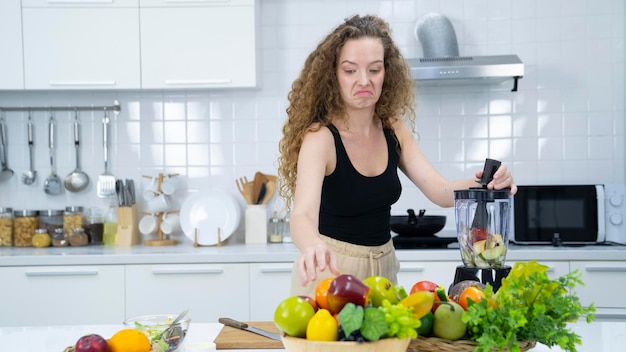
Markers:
360,261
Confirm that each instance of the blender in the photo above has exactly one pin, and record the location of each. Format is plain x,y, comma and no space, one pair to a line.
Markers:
482,223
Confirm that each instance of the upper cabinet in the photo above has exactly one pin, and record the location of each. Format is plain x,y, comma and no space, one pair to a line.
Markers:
198,44
11,66
81,44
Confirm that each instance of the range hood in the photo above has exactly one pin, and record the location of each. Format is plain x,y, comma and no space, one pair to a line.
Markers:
442,63
489,69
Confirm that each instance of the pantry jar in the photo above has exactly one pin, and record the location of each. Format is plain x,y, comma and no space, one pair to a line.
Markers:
59,239
41,238
6,227
25,222
51,220
78,237
72,219
94,225
275,230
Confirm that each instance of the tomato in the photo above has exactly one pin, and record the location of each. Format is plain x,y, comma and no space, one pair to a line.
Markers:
424,286
322,327
471,293
321,293
440,296
292,316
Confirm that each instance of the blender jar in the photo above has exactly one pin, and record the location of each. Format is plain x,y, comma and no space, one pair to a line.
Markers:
482,225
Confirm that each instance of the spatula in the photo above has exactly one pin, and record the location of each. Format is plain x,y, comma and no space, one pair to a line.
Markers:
106,181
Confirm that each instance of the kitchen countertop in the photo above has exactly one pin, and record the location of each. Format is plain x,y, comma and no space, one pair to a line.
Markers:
596,337
185,252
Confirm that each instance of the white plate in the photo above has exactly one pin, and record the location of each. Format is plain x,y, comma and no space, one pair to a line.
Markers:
207,211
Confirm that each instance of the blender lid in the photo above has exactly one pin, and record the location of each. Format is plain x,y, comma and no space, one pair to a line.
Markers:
482,194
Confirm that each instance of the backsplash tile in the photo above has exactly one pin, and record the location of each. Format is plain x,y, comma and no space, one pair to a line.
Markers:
564,125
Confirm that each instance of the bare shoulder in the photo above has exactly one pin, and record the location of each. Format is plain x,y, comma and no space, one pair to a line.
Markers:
401,130
318,135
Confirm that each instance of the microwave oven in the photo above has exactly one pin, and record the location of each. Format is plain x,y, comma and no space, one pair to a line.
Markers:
569,214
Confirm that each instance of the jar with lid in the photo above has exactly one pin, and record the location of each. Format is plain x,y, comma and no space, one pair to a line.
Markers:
72,219
78,237
94,225
41,238
275,229
51,220
25,222
59,239
286,228
6,227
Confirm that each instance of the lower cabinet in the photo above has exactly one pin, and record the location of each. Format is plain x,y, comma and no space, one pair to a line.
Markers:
62,295
269,284
210,291
441,273
605,283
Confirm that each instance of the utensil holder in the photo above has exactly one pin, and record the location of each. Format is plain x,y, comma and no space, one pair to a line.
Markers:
127,226
256,224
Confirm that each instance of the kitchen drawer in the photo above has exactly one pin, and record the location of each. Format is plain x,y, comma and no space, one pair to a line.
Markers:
441,273
194,3
605,283
209,291
270,283
63,295
79,3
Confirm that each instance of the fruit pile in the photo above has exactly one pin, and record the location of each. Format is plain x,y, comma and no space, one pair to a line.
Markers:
347,309
124,340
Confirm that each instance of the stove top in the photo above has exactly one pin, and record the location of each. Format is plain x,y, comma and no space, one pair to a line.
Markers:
429,242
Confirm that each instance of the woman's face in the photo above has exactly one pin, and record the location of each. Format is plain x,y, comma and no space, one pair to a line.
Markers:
361,72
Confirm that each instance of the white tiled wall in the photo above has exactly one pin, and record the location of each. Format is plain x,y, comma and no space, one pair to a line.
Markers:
564,125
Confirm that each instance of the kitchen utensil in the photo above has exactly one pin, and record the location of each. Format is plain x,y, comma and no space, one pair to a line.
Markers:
259,180
246,189
177,319
417,225
243,326
77,180
230,338
52,185
479,224
29,177
269,192
106,181
6,172
205,212
156,328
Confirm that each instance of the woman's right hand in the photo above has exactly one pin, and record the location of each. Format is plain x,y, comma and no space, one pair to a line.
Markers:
314,258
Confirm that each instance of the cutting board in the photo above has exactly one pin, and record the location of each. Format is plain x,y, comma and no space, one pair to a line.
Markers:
232,338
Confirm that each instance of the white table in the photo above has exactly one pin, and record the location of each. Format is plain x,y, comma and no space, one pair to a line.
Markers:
596,337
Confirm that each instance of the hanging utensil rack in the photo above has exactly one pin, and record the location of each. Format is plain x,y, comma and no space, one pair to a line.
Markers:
115,108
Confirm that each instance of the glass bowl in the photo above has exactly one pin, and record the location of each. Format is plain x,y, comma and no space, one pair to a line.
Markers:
155,326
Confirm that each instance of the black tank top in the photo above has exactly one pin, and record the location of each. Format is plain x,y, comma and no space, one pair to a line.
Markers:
356,208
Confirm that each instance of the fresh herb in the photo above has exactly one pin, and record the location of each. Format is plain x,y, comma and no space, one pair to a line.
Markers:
529,306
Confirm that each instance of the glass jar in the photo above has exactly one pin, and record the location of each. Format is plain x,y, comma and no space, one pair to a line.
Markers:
51,220
6,227
94,225
110,225
78,237
25,222
41,238
275,229
72,219
59,239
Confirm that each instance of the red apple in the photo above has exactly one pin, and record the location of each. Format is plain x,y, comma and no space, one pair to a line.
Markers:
346,289
311,301
92,343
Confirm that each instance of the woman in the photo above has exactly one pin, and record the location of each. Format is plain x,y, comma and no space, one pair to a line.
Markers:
343,143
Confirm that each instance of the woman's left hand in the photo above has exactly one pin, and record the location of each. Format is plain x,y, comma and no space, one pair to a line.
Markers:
501,179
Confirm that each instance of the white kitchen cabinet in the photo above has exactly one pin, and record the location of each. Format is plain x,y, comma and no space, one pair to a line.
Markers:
11,63
62,295
199,44
81,45
270,283
441,273
604,284
210,291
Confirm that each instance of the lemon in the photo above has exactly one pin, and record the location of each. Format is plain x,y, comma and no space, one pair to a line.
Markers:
129,340
41,240
322,327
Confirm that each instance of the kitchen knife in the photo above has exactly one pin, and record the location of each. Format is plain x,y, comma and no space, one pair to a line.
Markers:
243,326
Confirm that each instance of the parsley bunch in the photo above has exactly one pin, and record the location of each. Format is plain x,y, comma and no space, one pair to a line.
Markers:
529,306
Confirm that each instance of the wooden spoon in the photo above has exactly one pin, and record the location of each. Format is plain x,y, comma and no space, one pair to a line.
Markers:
259,180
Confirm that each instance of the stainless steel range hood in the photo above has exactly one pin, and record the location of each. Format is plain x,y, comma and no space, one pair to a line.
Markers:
488,69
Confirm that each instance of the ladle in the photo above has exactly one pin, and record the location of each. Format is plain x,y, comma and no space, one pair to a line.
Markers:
52,184
77,180
6,173
29,177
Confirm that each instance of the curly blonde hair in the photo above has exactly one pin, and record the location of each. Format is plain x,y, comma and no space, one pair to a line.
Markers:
315,95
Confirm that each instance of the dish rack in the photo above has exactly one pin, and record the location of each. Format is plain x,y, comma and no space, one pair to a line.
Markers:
162,240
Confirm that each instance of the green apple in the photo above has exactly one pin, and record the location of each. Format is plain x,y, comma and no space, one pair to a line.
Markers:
447,323
381,288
